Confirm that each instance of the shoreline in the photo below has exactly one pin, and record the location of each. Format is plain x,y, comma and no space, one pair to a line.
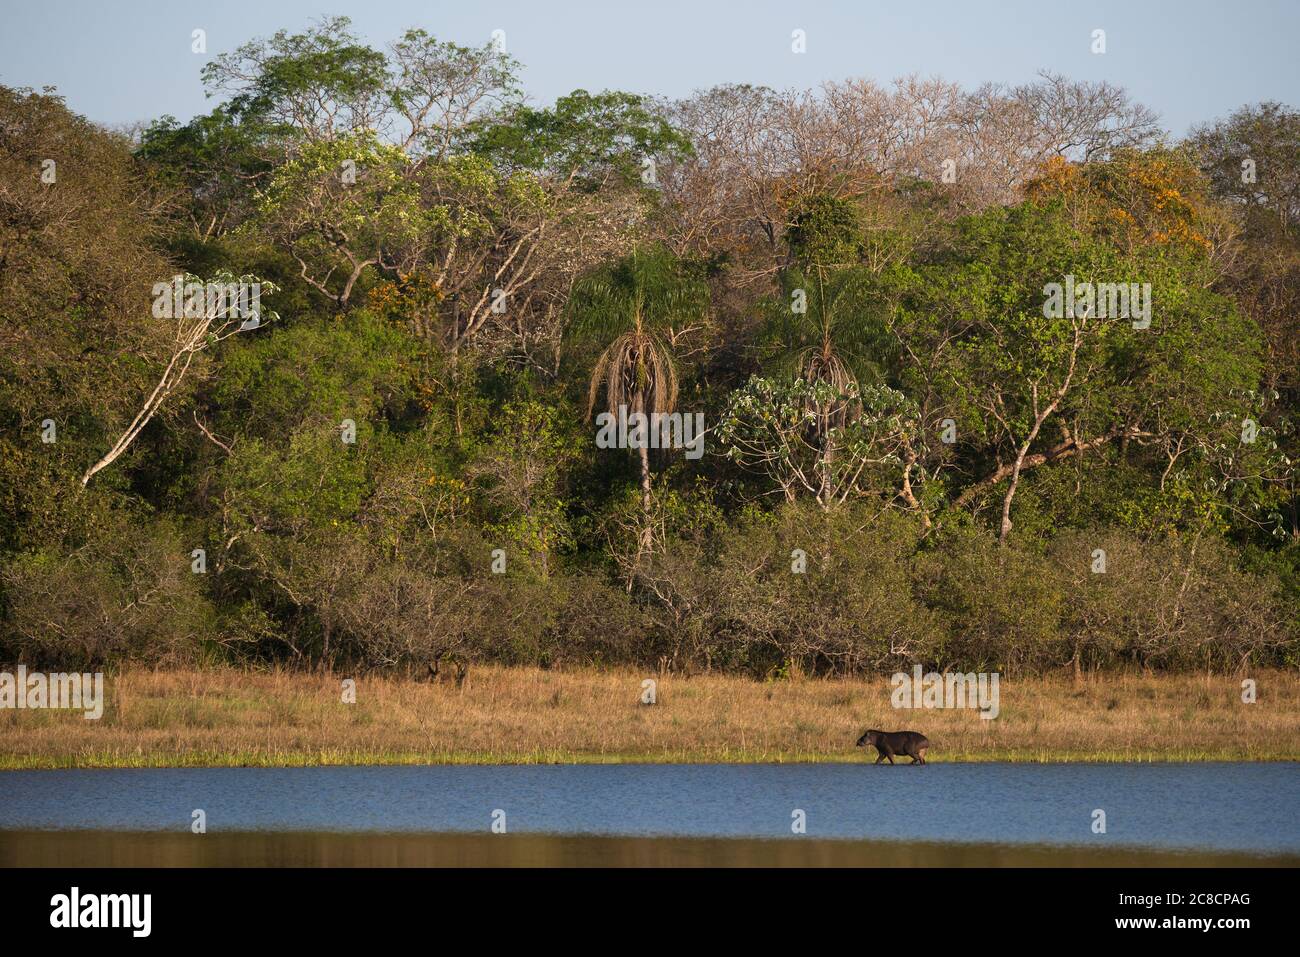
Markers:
226,717
115,762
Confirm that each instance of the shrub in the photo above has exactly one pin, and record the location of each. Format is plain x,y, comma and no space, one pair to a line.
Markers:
127,595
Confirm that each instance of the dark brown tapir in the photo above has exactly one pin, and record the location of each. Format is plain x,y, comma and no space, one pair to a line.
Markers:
890,743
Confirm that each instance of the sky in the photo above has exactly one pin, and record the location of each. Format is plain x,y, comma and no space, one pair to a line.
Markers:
122,62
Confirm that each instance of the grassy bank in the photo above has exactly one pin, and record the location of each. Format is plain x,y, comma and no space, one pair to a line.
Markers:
521,715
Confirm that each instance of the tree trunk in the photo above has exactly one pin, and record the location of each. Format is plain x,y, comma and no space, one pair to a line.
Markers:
357,269
1039,418
646,542
1005,529
647,530
909,462
171,377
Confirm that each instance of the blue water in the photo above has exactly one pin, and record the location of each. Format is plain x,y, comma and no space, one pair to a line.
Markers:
1246,807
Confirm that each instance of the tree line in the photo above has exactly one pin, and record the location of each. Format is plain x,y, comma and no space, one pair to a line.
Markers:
1002,378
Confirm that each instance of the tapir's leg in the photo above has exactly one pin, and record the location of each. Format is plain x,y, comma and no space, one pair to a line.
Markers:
881,758
889,754
921,754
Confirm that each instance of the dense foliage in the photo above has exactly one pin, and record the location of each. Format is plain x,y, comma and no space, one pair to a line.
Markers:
908,457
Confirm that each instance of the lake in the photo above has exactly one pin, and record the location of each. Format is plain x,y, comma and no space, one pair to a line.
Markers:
1223,812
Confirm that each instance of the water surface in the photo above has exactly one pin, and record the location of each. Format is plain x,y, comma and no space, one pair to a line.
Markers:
1229,807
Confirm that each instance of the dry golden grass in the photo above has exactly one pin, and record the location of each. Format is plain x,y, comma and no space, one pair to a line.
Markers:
524,715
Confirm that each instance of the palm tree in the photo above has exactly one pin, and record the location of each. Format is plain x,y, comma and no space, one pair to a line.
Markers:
824,331
828,338
638,307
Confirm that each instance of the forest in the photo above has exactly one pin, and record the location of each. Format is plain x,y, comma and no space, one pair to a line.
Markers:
994,379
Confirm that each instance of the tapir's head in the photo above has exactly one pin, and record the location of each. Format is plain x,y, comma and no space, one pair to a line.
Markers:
868,738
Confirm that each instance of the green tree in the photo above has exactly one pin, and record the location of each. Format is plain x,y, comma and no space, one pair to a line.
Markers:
589,137
638,309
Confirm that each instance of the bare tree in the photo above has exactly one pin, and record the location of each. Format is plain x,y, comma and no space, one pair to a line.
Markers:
207,316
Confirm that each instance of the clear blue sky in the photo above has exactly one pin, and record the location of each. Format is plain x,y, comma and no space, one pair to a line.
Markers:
1190,60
